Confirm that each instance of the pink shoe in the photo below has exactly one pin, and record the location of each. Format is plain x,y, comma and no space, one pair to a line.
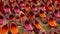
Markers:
28,26
16,10
1,20
7,9
57,16
34,8
43,7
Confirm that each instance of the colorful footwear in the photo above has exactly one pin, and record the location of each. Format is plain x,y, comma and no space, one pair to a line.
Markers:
56,13
1,20
49,7
28,26
16,10
52,22
57,6
34,8
21,5
22,17
43,16
28,29
31,15
42,7
57,16
27,8
38,28
7,9
4,29
14,28
37,25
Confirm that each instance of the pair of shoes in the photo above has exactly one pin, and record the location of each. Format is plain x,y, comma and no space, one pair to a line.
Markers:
13,28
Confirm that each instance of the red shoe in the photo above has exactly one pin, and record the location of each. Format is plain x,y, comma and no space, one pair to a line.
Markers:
11,17
31,15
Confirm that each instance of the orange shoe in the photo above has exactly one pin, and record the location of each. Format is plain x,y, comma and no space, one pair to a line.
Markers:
49,7
22,17
4,29
42,14
37,25
27,8
52,22
13,28
38,28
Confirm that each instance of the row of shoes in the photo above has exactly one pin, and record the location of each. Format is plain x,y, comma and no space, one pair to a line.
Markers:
15,7
25,12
